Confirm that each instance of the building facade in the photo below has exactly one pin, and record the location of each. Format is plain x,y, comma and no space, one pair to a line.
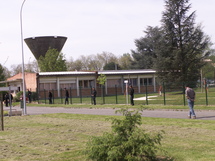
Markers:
16,81
81,82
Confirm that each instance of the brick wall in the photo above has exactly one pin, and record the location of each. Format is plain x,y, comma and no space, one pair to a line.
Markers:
30,79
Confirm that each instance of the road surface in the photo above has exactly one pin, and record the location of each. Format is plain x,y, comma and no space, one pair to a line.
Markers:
179,114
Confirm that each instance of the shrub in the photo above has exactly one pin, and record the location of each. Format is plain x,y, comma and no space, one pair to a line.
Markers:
126,142
17,97
18,94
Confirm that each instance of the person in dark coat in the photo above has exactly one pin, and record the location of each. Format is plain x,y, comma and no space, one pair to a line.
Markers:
10,99
29,96
6,99
93,95
66,96
50,97
131,92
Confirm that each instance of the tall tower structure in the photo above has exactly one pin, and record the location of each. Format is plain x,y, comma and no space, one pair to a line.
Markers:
40,45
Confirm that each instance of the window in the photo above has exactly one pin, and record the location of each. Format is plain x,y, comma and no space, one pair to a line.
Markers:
150,81
41,86
113,82
146,81
47,86
133,82
80,84
67,85
86,83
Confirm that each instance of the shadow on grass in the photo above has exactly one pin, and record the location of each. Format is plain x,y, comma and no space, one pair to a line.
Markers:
161,158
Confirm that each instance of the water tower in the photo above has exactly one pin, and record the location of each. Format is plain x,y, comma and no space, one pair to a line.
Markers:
40,45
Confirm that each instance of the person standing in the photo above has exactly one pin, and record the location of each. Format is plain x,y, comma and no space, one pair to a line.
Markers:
10,99
6,99
66,96
50,97
29,96
93,95
190,94
131,92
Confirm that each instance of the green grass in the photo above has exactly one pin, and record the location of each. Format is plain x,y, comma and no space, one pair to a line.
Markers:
114,106
62,137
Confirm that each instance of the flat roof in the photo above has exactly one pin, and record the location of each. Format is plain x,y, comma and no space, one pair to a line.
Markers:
143,71
106,72
65,73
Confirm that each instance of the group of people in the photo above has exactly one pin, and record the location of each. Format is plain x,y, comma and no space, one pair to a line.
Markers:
190,94
131,93
93,96
29,95
50,97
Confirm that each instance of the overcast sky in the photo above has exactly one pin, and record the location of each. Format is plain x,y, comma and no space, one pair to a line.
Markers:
92,26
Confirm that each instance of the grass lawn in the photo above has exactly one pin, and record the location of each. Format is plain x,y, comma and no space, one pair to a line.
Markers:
62,137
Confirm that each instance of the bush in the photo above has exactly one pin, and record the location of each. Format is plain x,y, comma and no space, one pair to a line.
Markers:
126,142
18,94
17,97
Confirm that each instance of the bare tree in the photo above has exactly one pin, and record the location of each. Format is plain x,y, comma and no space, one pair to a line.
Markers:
125,61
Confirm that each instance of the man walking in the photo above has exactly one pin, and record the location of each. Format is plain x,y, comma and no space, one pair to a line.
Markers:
190,94
131,92
93,95
50,97
29,96
66,96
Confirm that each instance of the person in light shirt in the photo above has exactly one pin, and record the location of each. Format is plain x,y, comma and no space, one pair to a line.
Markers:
190,94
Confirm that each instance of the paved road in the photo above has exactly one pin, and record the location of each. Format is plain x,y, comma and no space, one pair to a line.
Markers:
181,114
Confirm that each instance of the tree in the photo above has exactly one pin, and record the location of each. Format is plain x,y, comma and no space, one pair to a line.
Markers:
146,50
74,65
126,141
53,61
106,57
7,73
208,71
183,46
101,79
92,62
176,49
2,74
95,63
15,69
111,66
125,61
32,67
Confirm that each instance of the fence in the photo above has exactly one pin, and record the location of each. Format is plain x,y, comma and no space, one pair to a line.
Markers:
174,94
166,94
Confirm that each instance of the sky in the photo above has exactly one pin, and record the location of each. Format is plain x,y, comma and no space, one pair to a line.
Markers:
91,26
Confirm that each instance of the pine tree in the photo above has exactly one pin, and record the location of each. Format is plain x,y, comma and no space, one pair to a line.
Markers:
146,49
184,45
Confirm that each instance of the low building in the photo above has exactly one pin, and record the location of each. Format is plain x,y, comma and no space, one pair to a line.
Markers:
16,81
81,82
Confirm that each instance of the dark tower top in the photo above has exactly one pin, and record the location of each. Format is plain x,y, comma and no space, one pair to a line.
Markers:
40,45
